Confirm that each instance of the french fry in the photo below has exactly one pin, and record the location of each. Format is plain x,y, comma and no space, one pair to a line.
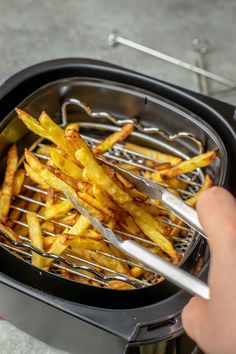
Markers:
188,165
92,233
59,245
70,219
104,198
56,133
65,165
79,227
18,181
151,228
113,139
9,232
95,173
48,226
208,183
36,239
96,203
58,210
157,155
50,196
7,187
130,225
171,182
46,150
74,126
52,181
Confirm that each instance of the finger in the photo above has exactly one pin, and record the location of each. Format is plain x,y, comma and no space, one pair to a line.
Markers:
217,213
194,317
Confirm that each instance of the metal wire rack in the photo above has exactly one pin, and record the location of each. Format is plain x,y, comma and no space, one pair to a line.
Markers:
84,270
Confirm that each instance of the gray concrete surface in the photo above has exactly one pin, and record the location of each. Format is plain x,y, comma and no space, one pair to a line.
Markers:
32,31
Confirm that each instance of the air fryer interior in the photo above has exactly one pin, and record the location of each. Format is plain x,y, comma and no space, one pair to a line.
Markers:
122,101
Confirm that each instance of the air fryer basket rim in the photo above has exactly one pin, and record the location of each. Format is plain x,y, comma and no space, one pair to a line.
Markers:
145,314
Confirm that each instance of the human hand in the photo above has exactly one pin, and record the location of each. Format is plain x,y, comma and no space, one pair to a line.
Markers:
211,323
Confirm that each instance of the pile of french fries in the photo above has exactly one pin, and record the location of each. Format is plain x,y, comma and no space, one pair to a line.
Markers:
54,226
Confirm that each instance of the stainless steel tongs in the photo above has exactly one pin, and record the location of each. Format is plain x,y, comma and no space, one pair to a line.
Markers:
176,275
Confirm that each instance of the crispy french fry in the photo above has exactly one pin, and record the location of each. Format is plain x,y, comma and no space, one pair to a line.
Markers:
208,183
92,233
52,181
104,198
151,228
171,182
18,181
96,203
48,226
50,196
74,126
79,227
65,165
7,187
173,160
46,150
113,139
59,245
63,176
9,232
95,173
36,239
188,165
56,133
71,219
130,225
58,210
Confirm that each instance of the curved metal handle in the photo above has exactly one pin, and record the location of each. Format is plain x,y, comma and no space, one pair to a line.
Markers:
175,275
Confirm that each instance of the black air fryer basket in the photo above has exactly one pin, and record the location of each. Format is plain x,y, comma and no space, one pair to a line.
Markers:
86,319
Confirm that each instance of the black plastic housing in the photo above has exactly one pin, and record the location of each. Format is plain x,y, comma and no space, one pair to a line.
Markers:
124,322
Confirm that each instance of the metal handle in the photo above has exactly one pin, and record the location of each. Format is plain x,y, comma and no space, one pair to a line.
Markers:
175,275
183,211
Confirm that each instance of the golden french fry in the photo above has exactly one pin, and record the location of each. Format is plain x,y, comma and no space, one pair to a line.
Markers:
151,228
32,123
74,126
92,233
46,150
48,226
79,227
7,186
65,165
59,245
50,196
171,182
18,181
52,181
64,177
71,219
96,203
9,232
208,183
95,174
173,160
36,239
188,165
113,139
34,176
130,225
58,210
104,198
56,133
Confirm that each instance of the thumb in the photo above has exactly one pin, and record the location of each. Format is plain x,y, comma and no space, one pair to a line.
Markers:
194,317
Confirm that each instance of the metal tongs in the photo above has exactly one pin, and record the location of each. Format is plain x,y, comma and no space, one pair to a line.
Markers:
175,275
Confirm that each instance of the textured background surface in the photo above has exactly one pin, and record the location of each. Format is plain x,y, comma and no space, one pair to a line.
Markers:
34,31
